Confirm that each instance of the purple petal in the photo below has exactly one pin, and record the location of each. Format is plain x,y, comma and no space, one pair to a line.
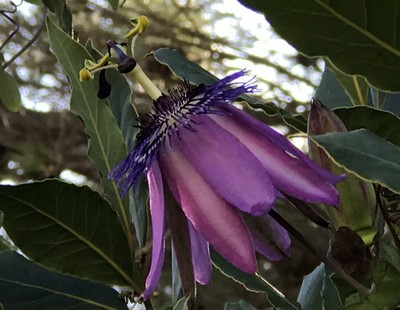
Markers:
270,239
227,165
288,168
219,223
200,256
275,137
157,223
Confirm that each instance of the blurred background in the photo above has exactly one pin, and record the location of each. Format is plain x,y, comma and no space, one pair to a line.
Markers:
45,140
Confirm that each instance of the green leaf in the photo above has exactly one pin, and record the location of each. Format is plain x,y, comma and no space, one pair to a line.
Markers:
192,72
120,103
63,13
330,92
391,255
182,304
382,123
114,4
106,146
35,2
385,100
26,285
68,228
359,37
310,292
127,121
365,154
254,283
356,87
9,93
240,305
385,295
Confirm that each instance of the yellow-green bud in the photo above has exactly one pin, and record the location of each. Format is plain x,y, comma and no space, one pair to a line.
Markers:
357,196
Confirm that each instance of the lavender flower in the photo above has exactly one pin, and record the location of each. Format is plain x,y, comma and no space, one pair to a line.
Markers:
222,166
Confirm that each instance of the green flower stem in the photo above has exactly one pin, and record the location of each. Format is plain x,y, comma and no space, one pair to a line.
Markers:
140,77
330,264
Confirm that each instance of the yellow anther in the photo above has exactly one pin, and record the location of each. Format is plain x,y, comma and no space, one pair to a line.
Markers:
85,75
140,24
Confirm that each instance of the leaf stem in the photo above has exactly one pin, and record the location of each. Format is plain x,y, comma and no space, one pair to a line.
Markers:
330,264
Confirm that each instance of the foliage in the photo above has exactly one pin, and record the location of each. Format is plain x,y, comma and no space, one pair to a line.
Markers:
82,246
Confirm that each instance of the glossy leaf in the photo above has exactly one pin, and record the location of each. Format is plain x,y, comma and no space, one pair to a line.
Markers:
382,123
358,37
365,154
192,72
9,92
106,146
68,228
254,283
240,305
26,285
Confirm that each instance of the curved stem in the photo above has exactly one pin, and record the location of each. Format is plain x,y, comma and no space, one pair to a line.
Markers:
30,42
330,264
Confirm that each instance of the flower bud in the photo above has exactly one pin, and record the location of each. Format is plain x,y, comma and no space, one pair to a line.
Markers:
357,196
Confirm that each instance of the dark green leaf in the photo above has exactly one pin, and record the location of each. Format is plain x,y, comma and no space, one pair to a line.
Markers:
63,13
183,68
240,305
385,100
356,87
26,285
192,72
114,4
68,228
106,147
9,93
330,92
365,154
253,283
384,124
359,37
35,2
